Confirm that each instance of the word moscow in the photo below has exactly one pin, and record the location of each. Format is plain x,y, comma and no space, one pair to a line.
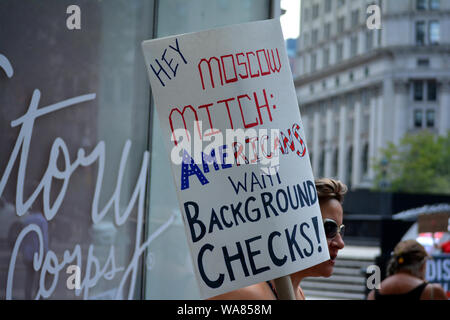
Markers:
244,223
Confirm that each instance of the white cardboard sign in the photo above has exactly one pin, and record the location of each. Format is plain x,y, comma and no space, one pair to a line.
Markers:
249,205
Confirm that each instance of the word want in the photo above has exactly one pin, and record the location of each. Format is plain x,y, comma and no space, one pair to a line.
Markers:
249,64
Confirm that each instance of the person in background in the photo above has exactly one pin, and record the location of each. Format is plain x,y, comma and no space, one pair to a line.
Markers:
331,196
406,276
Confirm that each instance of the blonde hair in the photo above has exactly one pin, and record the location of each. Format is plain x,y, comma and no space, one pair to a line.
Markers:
408,255
328,188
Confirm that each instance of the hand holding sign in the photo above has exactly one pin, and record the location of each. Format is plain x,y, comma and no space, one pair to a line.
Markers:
245,184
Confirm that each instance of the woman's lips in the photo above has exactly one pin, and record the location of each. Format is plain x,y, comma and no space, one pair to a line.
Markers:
333,259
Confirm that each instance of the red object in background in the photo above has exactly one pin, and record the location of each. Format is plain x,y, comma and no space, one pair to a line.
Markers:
446,247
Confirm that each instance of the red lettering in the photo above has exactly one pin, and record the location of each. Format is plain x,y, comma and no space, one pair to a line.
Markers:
259,62
274,67
246,126
184,121
206,106
235,79
210,71
228,109
258,107
250,66
240,63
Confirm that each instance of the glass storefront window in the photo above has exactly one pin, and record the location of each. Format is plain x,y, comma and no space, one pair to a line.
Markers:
84,177
78,165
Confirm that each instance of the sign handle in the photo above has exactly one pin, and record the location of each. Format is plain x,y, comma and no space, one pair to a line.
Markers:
284,287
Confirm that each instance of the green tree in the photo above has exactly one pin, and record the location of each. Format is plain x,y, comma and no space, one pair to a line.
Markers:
419,164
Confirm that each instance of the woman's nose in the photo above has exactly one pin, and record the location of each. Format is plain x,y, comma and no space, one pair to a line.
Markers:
338,242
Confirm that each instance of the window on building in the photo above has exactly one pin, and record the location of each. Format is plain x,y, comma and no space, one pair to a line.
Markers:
341,24
315,11
423,62
418,90
434,32
421,4
339,52
327,31
420,32
328,4
418,118
369,40
351,76
337,81
366,71
430,118
326,57
313,62
341,3
306,40
435,4
431,90
306,14
354,45
314,37
355,17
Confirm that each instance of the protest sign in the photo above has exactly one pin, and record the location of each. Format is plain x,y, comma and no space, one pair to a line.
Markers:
230,121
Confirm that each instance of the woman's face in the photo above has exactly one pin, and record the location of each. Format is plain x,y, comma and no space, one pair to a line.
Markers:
331,209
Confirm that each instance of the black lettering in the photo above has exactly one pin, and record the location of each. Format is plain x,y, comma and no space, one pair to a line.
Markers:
251,254
276,261
193,220
268,203
292,242
258,213
286,204
214,221
236,213
307,253
212,284
238,256
227,224
312,192
303,195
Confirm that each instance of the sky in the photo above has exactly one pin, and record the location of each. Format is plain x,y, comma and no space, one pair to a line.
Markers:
290,21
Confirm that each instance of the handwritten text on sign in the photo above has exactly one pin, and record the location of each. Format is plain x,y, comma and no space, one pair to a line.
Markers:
244,184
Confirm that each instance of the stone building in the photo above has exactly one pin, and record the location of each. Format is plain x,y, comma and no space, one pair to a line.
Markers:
360,88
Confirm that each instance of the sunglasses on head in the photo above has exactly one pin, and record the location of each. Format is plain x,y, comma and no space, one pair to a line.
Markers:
332,229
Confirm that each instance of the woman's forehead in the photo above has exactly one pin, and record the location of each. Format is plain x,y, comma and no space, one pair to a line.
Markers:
332,209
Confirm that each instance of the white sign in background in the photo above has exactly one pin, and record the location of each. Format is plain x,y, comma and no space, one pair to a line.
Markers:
251,217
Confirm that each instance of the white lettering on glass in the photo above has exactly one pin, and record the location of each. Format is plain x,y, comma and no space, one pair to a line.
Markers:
47,263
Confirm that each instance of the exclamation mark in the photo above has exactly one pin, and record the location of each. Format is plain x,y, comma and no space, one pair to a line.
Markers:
316,228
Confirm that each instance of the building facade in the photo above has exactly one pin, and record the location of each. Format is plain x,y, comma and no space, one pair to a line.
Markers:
360,88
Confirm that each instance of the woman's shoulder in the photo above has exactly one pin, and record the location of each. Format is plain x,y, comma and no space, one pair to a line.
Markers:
259,291
434,291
